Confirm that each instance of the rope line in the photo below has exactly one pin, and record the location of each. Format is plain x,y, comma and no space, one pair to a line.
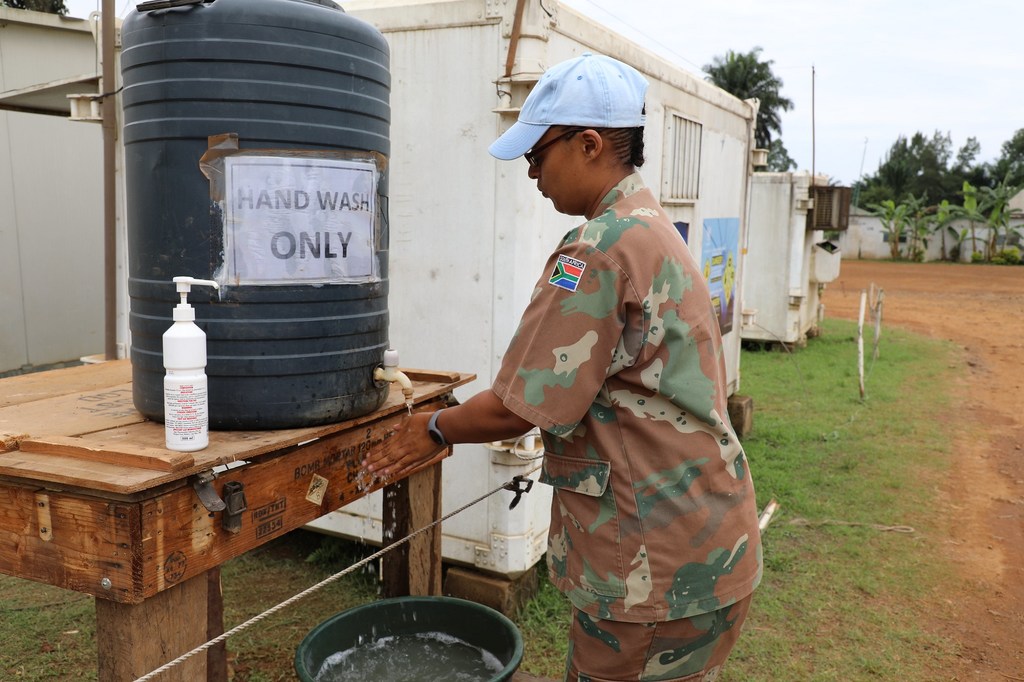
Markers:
320,585
834,522
520,441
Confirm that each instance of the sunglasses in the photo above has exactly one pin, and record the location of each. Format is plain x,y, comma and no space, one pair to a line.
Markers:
532,155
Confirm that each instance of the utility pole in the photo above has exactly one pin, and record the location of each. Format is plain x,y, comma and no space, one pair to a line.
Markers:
109,108
813,173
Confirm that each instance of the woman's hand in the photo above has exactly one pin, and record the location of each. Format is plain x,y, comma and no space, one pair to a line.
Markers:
405,449
481,419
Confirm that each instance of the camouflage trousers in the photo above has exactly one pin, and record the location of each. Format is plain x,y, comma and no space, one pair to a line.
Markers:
683,650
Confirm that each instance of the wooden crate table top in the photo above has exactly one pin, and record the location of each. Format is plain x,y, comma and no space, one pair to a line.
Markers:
90,499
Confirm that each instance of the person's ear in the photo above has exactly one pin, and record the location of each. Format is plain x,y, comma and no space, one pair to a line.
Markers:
593,143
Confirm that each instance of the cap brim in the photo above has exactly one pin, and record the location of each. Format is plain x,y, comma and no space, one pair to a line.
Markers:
517,140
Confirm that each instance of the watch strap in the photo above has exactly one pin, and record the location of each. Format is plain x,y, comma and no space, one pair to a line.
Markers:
434,431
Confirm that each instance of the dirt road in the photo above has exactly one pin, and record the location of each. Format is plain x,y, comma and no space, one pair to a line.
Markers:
980,308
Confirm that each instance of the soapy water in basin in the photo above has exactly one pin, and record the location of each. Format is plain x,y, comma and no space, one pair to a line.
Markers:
419,657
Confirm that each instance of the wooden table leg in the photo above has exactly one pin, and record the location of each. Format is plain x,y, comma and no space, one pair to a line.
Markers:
135,639
411,504
217,655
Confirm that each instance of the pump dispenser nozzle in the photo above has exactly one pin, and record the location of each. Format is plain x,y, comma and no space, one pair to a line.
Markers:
183,312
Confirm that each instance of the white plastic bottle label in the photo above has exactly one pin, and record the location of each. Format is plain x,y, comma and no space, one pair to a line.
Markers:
186,417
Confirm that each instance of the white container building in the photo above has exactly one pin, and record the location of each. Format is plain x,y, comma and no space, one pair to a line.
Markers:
789,260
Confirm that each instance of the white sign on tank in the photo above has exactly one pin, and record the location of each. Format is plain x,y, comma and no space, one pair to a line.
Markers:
299,221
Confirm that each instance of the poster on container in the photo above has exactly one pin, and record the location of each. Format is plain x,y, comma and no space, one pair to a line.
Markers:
299,220
719,260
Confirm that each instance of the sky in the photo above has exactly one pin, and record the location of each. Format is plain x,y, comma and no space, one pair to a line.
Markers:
860,74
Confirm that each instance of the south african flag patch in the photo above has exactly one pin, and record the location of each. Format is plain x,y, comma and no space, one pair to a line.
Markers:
567,273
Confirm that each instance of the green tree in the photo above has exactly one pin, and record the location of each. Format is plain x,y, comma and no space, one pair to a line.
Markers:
894,222
49,6
940,223
918,227
994,204
1010,164
970,210
966,166
778,158
922,166
746,76
891,180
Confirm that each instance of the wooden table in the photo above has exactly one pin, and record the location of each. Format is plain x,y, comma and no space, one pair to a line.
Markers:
91,501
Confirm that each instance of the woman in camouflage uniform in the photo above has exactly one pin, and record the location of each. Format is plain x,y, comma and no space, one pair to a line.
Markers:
618,360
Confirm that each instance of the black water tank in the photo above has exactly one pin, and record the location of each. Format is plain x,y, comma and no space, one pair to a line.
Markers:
282,75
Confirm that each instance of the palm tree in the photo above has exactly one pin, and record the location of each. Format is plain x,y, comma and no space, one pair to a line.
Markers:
940,222
894,218
995,203
973,214
918,226
745,76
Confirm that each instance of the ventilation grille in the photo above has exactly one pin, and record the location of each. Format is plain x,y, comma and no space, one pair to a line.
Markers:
831,209
683,157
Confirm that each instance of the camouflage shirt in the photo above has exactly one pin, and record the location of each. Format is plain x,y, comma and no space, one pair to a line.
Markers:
618,359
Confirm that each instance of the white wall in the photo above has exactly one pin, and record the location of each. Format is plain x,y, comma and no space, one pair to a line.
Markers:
51,231
866,238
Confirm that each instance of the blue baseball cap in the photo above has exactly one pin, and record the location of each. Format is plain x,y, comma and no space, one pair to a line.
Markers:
591,90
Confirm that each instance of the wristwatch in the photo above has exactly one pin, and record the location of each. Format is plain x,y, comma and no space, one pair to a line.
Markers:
435,433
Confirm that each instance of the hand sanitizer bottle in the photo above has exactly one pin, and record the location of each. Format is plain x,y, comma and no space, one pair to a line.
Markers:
186,407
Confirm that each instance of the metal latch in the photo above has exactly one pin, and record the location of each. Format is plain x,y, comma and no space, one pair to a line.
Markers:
518,485
203,485
234,497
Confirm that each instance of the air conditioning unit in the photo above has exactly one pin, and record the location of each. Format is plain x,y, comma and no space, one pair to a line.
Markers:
831,208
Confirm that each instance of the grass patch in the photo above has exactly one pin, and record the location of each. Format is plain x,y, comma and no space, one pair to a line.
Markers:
841,597
544,623
265,577
48,633
841,594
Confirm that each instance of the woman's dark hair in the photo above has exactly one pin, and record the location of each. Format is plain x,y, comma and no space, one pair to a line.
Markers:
628,144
